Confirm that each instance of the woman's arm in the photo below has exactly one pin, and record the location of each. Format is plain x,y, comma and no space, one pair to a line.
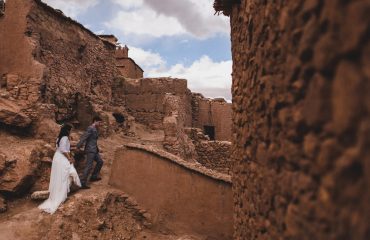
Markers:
64,147
69,157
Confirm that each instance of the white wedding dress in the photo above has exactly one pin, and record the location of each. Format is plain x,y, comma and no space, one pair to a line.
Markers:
61,177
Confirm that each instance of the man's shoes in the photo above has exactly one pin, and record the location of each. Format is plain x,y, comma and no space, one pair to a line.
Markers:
95,179
85,187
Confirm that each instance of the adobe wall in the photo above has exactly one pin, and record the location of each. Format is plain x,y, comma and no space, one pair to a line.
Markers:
214,155
301,107
210,112
145,98
47,58
128,68
181,197
77,62
176,115
20,74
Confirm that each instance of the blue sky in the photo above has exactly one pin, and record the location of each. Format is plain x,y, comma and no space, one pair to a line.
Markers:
177,38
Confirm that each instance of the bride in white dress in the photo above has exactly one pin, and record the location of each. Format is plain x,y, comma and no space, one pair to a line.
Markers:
62,173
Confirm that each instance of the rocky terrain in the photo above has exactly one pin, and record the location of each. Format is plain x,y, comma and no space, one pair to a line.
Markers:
97,213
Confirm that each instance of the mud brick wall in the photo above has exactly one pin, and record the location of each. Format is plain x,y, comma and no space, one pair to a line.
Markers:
145,99
48,57
301,103
214,155
77,62
182,196
212,112
175,139
20,74
128,68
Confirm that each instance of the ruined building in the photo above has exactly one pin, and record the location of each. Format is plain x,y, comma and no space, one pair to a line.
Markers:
301,120
54,70
300,141
126,65
52,66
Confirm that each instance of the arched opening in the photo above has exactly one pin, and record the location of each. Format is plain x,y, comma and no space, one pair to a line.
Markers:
2,7
119,117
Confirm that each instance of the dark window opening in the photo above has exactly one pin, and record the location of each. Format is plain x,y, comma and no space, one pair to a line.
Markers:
210,131
119,117
3,81
2,7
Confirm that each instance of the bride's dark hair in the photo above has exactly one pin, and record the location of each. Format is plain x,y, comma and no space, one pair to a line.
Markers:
64,131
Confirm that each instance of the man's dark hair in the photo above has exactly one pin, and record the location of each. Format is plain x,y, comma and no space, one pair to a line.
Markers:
97,119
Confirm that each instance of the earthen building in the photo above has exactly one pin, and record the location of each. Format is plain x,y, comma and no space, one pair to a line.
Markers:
300,118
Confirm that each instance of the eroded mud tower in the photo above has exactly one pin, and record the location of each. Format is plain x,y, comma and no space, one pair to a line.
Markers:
301,118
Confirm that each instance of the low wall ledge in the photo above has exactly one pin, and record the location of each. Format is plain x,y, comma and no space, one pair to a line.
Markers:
196,167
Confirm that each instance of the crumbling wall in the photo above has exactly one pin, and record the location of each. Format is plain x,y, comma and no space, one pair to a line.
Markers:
175,140
48,58
301,108
77,62
212,112
145,98
211,154
20,74
214,155
128,68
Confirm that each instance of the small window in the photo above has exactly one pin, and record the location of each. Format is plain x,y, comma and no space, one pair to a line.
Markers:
210,131
2,7
119,117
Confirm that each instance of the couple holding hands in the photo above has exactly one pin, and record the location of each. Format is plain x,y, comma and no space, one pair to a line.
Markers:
63,173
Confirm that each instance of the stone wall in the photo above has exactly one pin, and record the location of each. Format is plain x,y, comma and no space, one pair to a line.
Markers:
211,154
145,98
47,58
175,139
212,112
20,74
128,68
301,108
181,197
77,62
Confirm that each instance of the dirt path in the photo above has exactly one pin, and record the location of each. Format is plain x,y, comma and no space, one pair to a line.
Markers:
101,212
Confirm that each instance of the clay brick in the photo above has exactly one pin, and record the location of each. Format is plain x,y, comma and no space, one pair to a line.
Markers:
300,103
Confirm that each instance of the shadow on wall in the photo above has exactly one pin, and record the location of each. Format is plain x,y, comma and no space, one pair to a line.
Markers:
180,198
84,112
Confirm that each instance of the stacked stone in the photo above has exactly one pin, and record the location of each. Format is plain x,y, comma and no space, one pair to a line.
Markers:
19,88
145,98
211,154
301,107
77,63
214,155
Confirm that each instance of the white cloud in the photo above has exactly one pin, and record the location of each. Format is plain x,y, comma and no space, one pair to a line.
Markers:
155,18
202,73
195,16
72,8
144,21
158,18
212,79
128,4
147,59
99,32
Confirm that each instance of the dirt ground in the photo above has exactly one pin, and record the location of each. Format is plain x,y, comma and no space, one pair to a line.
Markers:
97,213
